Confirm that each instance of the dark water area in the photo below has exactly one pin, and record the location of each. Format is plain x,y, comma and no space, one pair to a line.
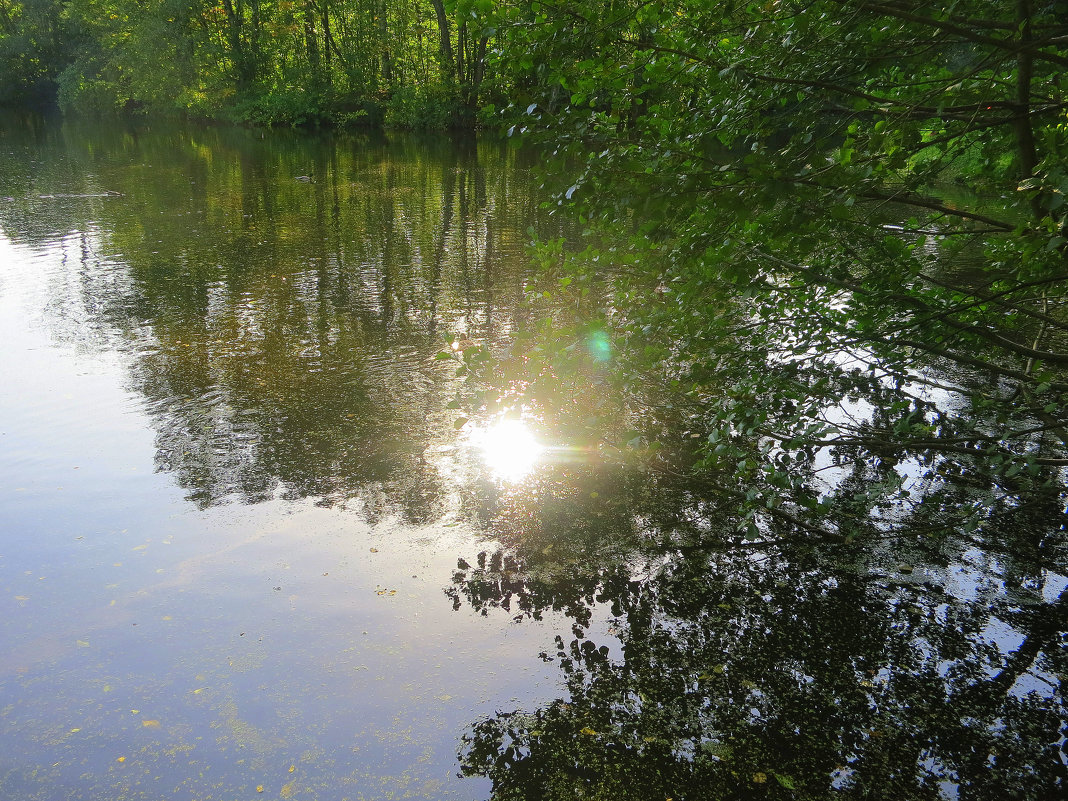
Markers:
245,550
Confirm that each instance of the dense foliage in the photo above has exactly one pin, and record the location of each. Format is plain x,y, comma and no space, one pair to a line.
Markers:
417,63
846,266
840,311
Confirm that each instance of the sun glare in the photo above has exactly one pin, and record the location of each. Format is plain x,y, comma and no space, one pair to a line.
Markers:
509,449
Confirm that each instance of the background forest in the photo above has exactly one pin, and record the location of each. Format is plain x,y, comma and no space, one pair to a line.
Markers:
413,63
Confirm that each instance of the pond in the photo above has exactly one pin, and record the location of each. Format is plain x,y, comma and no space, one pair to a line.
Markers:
251,548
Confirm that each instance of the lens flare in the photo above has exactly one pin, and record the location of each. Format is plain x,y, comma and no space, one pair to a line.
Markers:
509,449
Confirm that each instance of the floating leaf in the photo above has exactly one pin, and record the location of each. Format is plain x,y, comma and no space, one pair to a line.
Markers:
150,724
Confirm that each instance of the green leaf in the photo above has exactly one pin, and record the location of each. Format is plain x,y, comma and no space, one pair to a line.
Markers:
785,781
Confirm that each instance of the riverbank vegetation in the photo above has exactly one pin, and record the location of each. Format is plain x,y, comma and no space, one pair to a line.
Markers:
846,255
413,64
841,310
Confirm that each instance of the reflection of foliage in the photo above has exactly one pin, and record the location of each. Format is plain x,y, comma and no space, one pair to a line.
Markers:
859,348
283,330
743,677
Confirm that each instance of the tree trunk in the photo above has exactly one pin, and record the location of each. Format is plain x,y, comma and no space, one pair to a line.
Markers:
446,58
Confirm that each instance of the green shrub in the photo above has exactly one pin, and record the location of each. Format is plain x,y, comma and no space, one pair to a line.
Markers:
417,108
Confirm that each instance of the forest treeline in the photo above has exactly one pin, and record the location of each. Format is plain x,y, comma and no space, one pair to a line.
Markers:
406,63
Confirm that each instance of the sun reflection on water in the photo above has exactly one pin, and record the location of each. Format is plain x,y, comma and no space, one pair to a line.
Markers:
509,448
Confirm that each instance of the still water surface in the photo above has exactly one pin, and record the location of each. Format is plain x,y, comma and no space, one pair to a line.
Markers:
245,551
232,491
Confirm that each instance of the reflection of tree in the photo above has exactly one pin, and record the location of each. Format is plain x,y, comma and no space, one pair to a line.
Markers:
283,330
747,674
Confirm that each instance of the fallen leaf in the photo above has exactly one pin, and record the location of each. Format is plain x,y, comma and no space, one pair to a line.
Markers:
292,768
121,759
22,597
259,788
150,724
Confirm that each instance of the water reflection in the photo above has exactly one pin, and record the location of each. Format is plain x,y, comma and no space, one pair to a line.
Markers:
282,331
269,599
909,671
278,338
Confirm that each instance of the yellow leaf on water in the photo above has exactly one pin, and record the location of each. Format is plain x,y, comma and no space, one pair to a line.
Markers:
292,768
121,759
199,690
75,731
587,730
259,788
83,644
150,724
135,711
140,547
22,597
374,550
